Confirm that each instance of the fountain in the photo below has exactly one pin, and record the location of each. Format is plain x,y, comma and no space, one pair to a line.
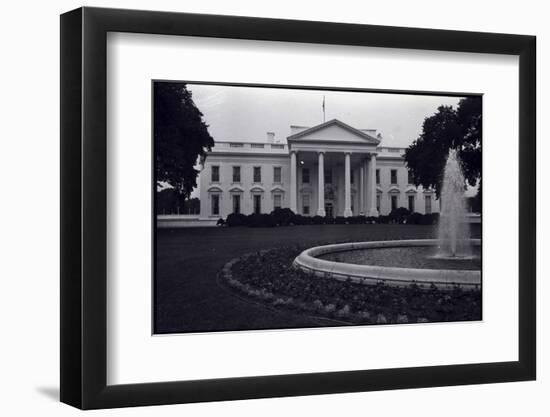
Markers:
452,260
454,232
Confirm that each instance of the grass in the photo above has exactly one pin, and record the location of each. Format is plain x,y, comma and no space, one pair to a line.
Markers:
188,294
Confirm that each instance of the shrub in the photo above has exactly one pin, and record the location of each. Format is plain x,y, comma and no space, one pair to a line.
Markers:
318,220
372,220
399,215
361,219
344,312
414,218
260,220
268,220
318,305
283,216
340,220
428,219
254,220
220,222
298,219
236,219
330,308
381,319
383,219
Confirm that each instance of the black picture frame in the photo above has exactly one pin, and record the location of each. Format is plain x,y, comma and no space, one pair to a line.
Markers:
84,207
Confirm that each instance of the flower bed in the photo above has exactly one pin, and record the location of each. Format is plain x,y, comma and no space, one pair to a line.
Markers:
268,276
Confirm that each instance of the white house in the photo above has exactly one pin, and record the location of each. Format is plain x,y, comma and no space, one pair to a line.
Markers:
356,173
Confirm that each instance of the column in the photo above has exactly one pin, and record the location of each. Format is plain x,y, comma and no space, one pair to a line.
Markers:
366,187
321,186
372,186
347,186
361,201
293,187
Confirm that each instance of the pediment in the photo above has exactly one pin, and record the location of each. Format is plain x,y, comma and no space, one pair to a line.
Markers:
334,131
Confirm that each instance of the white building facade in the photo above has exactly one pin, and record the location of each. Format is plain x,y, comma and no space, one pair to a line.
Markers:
357,175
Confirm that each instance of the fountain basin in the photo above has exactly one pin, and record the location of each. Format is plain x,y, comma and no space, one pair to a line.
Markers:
311,260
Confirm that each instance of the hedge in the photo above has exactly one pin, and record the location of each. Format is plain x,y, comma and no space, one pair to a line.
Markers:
286,217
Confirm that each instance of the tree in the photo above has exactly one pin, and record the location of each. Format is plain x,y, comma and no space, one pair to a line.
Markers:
181,137
447,129
192,206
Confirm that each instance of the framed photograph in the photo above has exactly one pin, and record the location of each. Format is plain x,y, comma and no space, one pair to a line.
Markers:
258,208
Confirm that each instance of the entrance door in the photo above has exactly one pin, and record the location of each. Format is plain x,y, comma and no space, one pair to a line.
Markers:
329,210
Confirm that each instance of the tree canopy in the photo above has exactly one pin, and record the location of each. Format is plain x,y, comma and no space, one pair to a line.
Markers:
169,201
181,137
448,128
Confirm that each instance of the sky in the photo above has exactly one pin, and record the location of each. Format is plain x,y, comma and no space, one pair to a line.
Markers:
246,114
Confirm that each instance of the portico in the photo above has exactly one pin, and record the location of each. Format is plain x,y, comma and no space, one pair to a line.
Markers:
343,160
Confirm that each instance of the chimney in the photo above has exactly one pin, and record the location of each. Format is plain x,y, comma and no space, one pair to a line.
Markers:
270,137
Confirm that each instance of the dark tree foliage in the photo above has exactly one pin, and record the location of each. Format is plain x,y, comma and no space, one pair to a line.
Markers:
192,206
170,201
181,137
447,129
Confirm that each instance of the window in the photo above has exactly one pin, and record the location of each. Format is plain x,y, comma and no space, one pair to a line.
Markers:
236,145
277,146
305,175
277,201
378,202
257,174
411,203
236,204
352,203
352,177
410,179
428,202
394,176
305,204
215,209
257,145
277,174
257,204
215,173
328,176
393,202
236,174
377,176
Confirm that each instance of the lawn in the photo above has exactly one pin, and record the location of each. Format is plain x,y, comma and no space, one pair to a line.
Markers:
189,297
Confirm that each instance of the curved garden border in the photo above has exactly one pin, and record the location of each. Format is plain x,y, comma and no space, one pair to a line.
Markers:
372,274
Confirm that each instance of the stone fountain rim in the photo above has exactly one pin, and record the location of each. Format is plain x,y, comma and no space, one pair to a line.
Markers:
369,274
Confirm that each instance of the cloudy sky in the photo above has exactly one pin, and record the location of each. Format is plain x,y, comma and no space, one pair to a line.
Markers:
247,113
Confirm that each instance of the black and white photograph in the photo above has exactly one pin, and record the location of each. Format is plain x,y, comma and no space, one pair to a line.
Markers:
264,209
287,207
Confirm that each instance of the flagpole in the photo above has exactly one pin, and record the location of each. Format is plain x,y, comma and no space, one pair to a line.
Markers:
324,109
